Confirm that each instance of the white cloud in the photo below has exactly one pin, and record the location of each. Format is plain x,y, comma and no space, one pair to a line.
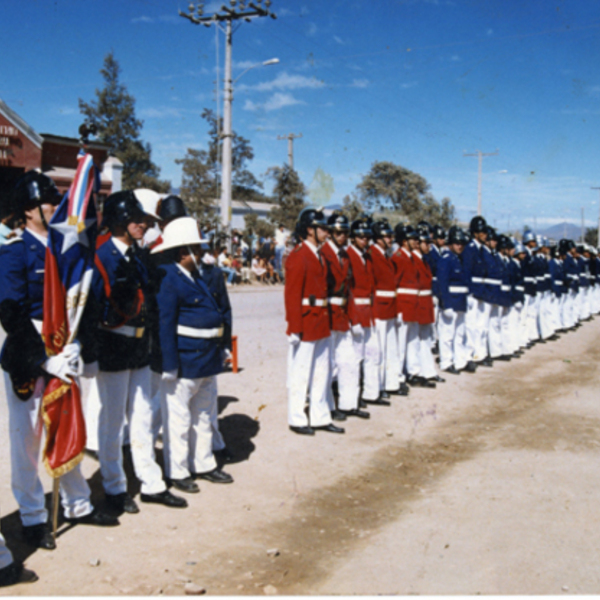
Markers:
489,32
284,81
68,111
142,19
360,83
408,85
339,40
312,30
159,113
455,58
276,102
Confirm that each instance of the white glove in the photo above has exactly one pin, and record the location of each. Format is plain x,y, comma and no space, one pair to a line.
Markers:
72,351
90,369
170,375
294,339
60,366
357,329
399,319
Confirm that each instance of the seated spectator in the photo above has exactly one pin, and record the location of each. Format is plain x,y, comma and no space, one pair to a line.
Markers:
258,269
224,263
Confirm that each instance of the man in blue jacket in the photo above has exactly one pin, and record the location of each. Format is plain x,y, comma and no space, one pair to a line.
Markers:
191,330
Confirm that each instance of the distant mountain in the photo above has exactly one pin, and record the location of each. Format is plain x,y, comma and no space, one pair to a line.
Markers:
562,230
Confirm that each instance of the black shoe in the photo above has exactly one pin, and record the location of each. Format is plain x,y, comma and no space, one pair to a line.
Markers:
437,378
216,476
362,404
378,402
554,337
503,357
355,412
302,430
224,454
384,395
452,370
404,389
16,573
541,341
418,381
331,428
122,503
435,349
39,536
338,415
97,518
516,355
486,362
165,498
185,485
470,367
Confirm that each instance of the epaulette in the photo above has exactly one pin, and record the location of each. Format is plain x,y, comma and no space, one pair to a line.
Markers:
13,240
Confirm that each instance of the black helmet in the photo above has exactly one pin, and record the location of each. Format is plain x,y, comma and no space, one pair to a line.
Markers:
34,189
338,222
565,246
404,232
121,208
456,235
478,225
491,234
361,227
381,228
424,231
504,242
310,217
439,233
171,207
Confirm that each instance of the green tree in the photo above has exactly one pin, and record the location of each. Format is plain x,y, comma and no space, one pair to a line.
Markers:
113,113
321,188
388,186
289,193
591,236
256,225
352,207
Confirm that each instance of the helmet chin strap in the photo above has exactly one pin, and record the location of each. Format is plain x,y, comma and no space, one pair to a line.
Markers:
193,258
43,218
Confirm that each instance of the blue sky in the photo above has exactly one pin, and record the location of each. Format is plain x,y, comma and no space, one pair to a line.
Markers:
416,82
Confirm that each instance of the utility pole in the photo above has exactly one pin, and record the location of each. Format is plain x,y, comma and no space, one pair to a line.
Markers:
598,237
290,137
246,11
479,154
582,226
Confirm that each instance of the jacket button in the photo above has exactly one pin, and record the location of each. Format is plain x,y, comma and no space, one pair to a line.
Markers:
196,300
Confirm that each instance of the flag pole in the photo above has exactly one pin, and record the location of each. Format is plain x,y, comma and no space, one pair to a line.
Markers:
55,500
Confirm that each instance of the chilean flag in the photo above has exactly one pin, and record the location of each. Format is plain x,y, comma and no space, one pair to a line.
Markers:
67,278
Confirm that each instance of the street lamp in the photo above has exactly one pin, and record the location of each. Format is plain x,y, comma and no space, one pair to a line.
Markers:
227,135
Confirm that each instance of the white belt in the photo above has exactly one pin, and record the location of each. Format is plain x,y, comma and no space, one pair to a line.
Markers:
385,293
424,292
458,289
407,291
477,279
558,282
493,281
316,302
38,325
194,332
519,288
505,288
362,301
126,330
529,279
337,301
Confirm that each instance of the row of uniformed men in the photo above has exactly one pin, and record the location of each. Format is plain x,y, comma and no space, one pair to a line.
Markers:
365,305
163,309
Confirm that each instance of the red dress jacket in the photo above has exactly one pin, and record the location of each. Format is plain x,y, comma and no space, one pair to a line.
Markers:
384,301
407,284
362,286
425,313
306,310
338,285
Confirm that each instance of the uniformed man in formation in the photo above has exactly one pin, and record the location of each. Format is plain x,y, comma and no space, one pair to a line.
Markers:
136,308
368,306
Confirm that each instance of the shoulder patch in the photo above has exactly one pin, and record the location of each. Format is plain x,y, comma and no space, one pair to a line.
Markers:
13,240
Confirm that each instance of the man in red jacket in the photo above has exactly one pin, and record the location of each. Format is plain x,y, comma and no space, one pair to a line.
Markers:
308,329
360,311
345,365
384,307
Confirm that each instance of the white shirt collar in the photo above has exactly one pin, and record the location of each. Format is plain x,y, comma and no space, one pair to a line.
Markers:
312,247
122,247
184,271
37,236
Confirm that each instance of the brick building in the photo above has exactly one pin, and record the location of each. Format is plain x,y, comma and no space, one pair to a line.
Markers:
22,149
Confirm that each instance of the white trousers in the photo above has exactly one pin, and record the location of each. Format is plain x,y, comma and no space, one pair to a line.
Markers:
401,329
419,359
478,322
366,347
186,406
545,315
506,337
514,321
571,306
531,317
126,394
389,370
25,429
345,366
495,332
452,331
309,365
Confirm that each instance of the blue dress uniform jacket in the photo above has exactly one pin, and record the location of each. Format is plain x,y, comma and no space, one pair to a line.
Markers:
529,269
432,259
583,272
453,283
543,274
516,281
121,302
186,303
474,266
571,273
493,279
557,277
505,296
215,281
22,263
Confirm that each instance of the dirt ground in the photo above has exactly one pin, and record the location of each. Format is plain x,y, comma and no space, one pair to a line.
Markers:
487,484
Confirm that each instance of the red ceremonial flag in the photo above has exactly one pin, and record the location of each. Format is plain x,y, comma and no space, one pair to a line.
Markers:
68,275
